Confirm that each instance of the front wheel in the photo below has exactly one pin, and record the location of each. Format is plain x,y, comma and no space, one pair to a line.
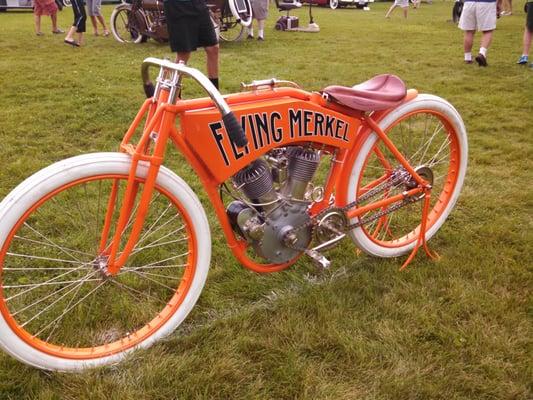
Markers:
241,10
58,308
430,133
230,30
125,25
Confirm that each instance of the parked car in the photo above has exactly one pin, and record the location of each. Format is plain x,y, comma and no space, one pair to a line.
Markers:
14,4
28,4
333,4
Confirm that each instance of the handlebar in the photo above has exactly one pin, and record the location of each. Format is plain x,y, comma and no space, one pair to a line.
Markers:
232,125
268,83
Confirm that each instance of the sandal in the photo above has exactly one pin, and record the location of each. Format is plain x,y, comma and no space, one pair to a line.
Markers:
58,30
39,33
72,43
106,33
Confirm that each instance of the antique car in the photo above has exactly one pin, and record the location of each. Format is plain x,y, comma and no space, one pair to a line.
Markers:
333,4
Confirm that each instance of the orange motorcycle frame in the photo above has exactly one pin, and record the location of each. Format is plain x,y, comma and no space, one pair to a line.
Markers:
271,118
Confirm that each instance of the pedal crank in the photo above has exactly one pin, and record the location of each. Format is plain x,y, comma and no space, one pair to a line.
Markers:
318,259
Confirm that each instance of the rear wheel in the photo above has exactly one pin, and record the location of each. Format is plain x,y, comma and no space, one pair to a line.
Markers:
333,4
58,308
230,29
124,25
241,10
429,132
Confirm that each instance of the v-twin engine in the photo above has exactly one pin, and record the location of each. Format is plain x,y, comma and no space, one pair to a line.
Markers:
274,217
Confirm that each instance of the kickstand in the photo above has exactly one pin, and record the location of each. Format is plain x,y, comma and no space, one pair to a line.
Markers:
421,241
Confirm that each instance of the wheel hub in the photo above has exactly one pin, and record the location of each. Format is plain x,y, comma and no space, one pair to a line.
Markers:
100,264
425,173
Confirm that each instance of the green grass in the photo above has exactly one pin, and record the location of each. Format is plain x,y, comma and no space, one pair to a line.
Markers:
459,328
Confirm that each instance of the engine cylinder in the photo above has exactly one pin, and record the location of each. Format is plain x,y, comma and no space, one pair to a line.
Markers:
255,181
302,166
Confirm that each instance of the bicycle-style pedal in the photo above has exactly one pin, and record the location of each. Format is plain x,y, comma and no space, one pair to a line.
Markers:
318,259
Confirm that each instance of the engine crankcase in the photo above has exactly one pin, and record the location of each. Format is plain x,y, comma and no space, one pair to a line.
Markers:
279,230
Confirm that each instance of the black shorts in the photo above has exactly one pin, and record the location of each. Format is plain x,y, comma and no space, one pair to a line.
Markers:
189,25
529,18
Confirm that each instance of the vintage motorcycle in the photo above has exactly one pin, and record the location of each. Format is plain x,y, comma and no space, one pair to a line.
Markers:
104,253
140,20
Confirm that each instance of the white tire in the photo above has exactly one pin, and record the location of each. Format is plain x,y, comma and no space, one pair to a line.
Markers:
384,247
46,188
118,21
239,16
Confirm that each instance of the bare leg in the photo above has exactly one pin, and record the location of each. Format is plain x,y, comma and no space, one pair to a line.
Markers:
212,61
37,24
95,25
251,30
54,22
102,22
261,28
486,39
405,12
390,10
183,57
468,41
70,34
527,42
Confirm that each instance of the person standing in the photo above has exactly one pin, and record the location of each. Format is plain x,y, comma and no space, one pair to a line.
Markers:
45,7
528,32
189,27
94,11
478,15
260,14
507,8
404,4
78,26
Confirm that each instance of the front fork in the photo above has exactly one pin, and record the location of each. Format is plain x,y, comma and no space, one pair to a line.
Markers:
157,128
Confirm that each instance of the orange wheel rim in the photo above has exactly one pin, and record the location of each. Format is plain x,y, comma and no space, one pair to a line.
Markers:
445,194
130,340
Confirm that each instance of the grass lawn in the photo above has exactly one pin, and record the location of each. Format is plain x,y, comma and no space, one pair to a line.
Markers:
458,328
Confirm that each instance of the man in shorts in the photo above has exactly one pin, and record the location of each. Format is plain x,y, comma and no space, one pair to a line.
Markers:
528,32
478,15
189,27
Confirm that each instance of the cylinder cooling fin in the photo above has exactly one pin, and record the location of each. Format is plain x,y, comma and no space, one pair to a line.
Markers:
255,180
303,163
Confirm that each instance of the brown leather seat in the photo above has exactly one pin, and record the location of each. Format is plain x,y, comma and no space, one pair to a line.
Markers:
379,93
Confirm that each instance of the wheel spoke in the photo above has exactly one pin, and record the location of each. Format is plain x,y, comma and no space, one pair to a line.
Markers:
427,145
144,276
36,285
51,244
156,244
150,231
152,274
47,258
129,288
154,267
80,282
69,308
48,281
48,296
